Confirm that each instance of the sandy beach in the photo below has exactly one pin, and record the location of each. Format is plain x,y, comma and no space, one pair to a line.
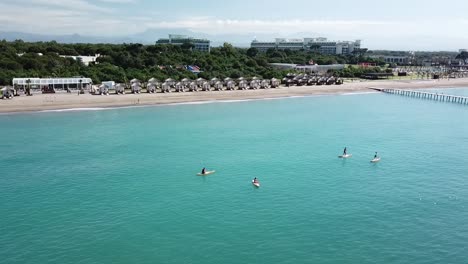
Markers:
56,101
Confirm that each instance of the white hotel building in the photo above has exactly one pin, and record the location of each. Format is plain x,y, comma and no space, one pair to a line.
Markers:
322,45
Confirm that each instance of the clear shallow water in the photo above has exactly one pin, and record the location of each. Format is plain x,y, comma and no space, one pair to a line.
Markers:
119,186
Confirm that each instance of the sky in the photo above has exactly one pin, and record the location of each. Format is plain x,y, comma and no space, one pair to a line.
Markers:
394,24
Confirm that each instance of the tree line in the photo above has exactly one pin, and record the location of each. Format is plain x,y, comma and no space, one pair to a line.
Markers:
121,62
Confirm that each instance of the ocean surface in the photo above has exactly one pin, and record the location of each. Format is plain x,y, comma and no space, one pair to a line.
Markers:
120,185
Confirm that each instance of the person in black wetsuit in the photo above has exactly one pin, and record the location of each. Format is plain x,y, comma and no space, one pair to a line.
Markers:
203,170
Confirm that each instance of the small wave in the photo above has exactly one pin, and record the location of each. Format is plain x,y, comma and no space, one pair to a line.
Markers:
76,109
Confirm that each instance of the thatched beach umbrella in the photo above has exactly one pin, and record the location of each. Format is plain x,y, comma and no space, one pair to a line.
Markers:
200,81
213,80
153,80
132,81
185,81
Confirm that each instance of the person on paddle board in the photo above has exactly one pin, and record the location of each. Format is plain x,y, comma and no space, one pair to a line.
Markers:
344,152
203,170
255,180
375,156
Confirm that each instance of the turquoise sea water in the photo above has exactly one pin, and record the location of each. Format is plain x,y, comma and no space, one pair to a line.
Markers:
120,186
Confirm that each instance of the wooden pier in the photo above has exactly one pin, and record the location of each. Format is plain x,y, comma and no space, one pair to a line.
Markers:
427,95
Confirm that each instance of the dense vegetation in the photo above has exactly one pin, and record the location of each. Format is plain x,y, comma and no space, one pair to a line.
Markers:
126,61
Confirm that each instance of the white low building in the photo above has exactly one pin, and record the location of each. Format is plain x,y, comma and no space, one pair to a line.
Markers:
52,83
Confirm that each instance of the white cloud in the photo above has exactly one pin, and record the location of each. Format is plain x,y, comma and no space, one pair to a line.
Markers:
65,5
216,26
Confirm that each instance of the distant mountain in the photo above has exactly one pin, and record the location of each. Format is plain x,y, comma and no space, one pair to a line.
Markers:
147,37
151,36
73,38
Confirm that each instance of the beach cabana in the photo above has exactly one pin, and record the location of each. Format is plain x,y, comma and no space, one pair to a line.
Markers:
179,87
312,81
206,86
243,85
136,88
254,84
230,85
103,89
7,93
274,83
226,80
218,86
165,87
265,84
151,88
321,80
192,86
120,88
330,81
200,81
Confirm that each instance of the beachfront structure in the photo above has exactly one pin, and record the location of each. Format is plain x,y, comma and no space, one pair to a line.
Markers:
321,45
52,83
197,43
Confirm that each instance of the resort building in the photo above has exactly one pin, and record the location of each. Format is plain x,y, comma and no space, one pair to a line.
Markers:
198,44
50,84
86,60
321,45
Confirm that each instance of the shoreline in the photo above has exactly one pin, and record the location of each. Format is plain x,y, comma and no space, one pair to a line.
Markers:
72,102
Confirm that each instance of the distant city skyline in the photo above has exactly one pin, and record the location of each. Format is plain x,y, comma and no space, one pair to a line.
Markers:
396,25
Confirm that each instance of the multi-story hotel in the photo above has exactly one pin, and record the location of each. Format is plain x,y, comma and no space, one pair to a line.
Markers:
321,45
198,44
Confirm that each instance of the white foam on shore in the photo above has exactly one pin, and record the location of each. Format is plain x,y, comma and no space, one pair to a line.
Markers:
74,109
